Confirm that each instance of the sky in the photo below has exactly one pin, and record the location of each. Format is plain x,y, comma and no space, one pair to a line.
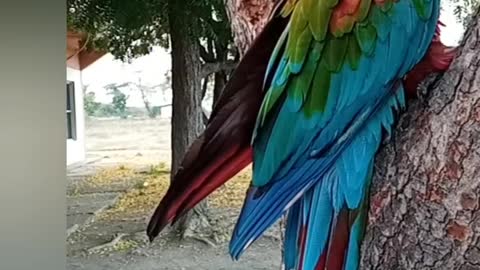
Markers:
453,30
151,69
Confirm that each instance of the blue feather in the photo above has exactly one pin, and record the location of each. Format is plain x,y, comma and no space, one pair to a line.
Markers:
276,51
321,213
356,234
317,166
292,230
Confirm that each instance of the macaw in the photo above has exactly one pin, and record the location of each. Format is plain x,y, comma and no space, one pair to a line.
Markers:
308,105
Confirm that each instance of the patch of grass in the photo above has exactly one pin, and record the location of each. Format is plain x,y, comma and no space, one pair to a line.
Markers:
109,176
141,200
159,169
125,245
232,193
145,196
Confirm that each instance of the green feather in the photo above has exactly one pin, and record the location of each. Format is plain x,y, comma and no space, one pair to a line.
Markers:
353,52
317,97
313,54
300,85
331,3
276,52
423,8
364,8
271,99
307,7
366,36
298,25
387,5
334,53
319,19
300,50
381,22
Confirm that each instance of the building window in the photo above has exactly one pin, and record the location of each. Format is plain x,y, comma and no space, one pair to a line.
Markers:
71,124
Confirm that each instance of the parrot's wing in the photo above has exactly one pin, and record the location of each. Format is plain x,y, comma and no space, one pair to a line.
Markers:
333,90
223,149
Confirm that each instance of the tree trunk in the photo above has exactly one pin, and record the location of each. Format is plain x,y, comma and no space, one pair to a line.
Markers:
187,122
425,198
247,17
220,80
186,85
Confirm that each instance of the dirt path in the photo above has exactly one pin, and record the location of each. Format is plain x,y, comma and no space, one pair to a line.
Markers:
189,256
137,253
130,141
119,242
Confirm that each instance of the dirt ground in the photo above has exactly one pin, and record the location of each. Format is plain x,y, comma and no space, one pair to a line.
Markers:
129,141
132,158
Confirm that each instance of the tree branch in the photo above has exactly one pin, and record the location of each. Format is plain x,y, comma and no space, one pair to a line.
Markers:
209,68
205,85
206,56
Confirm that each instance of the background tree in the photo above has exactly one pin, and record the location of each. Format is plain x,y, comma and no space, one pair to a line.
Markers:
145,92
119,100
247,17
130,28
425,197
89,104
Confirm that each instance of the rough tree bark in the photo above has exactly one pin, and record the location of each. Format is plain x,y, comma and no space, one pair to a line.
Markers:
425,199
186,85
424,211
247,17
187,122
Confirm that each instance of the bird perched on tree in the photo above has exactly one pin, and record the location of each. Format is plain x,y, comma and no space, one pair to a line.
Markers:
309,104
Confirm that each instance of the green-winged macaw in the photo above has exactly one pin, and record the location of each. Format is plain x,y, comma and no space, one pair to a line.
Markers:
309,104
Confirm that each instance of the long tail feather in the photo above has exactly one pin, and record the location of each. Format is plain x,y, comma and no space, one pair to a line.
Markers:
224,148
318,239
342,186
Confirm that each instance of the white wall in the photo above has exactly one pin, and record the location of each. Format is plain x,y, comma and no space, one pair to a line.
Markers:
76,148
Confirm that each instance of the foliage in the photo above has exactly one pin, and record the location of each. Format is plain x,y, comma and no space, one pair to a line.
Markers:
155,111
119,102
125,28
130,28
89,103
106,110
97,109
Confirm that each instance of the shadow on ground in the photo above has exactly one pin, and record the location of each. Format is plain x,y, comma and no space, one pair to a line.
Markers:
101,238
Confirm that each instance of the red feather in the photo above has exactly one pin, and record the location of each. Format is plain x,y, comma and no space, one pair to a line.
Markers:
437,59
322,261
338,242
301,244
223,149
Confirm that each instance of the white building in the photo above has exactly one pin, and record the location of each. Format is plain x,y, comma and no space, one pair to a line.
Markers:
77,60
